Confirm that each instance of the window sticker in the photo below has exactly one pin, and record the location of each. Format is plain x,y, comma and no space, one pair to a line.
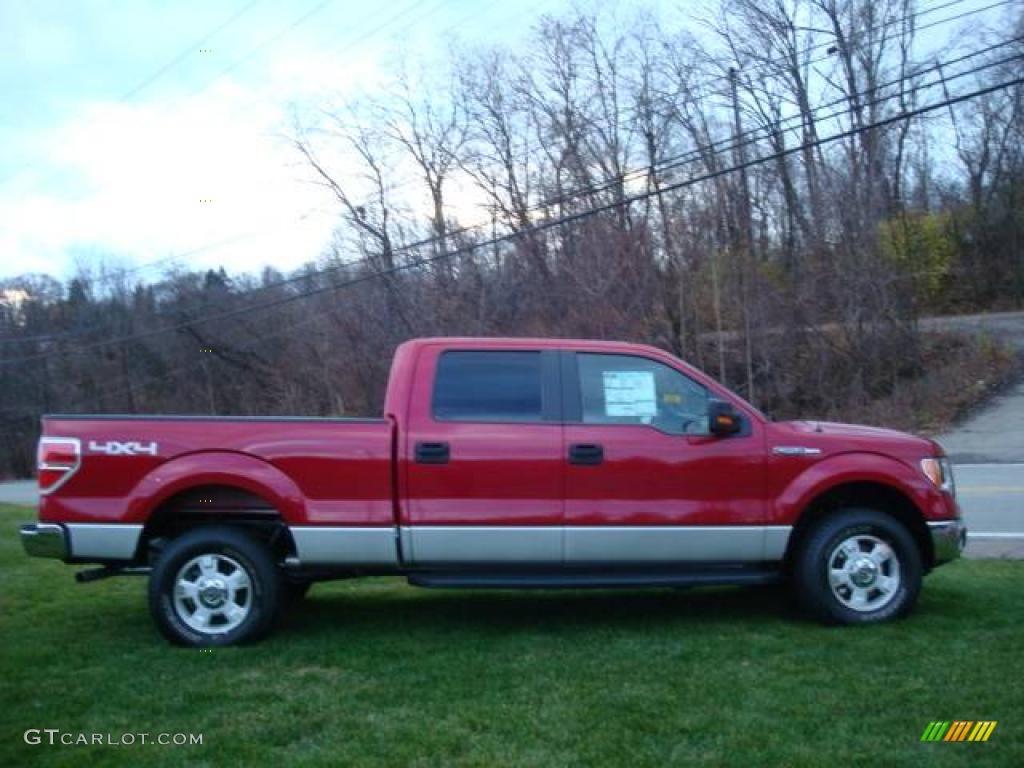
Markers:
630,393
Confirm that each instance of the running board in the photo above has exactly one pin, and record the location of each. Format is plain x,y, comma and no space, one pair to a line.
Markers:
593,579
107,571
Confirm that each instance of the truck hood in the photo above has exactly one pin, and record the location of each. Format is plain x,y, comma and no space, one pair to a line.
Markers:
831,437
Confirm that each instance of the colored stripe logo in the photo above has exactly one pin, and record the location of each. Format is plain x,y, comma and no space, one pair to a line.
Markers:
959,730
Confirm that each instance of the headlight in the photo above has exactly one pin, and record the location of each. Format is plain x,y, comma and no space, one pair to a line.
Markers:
940,472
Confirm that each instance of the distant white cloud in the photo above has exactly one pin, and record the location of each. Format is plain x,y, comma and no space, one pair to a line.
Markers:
126,181
131,180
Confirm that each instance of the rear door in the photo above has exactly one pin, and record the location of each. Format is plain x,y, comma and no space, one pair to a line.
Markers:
645,481
483,458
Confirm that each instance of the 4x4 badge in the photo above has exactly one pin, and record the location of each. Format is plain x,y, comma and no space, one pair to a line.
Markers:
116,448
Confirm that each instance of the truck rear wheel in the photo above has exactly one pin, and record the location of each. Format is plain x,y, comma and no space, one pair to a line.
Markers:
858,566
214,586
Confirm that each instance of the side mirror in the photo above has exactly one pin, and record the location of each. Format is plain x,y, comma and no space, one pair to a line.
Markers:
723,419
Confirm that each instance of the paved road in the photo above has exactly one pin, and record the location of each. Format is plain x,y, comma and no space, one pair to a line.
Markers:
1008,326
992,435
995,433
992,498
988,449
19,492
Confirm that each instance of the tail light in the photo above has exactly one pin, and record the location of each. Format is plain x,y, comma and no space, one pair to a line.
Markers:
57,460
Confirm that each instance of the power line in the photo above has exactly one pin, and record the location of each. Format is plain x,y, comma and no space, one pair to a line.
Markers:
757,133
176,60
351,44
706,83
628,115
694,154
629,200
532,229
661,165
399,249
638,173
266,43
699,153
273,39
117,274
730,143
189,51
906,115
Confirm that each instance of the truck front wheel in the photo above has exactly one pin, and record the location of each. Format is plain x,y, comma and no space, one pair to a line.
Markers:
214,586
858,566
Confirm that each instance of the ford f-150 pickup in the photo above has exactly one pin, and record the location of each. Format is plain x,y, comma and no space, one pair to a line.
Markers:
500,463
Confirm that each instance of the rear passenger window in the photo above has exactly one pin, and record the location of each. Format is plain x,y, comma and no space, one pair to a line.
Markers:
488,386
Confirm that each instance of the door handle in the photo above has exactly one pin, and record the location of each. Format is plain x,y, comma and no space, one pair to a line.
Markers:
432,453
587,454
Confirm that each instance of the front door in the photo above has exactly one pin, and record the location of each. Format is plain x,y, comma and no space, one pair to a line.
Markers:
483,459
645,481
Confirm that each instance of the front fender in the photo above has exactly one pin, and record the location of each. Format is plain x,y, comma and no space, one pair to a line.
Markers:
857,467
237,470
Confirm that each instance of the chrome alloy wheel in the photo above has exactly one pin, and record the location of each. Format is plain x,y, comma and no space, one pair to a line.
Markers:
212,594
864,573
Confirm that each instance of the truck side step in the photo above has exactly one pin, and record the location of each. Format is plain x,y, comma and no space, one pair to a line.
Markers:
577,579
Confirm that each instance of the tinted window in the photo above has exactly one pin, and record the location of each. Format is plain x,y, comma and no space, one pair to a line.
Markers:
622,389
488,386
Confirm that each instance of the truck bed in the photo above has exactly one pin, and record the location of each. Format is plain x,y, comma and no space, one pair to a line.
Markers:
327,471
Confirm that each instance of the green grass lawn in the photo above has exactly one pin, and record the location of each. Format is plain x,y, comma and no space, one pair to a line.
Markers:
375,672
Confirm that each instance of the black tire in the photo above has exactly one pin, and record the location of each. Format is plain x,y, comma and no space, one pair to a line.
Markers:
893,585
231,550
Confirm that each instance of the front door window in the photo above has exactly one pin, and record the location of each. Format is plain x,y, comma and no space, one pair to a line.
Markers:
623,389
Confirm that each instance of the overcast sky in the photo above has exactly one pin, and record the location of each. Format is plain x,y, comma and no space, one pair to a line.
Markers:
120,119
95,166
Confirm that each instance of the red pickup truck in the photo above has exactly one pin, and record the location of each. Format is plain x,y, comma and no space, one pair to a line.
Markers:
498,463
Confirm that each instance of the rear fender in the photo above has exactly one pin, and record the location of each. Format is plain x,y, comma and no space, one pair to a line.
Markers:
225,468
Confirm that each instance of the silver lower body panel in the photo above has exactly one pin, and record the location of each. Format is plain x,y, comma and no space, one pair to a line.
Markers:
674,544
379,547
476,545
583,545
356,546
99,542
102,541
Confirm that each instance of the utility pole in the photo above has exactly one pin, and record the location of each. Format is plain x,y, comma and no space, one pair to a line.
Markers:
746,228
740,153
